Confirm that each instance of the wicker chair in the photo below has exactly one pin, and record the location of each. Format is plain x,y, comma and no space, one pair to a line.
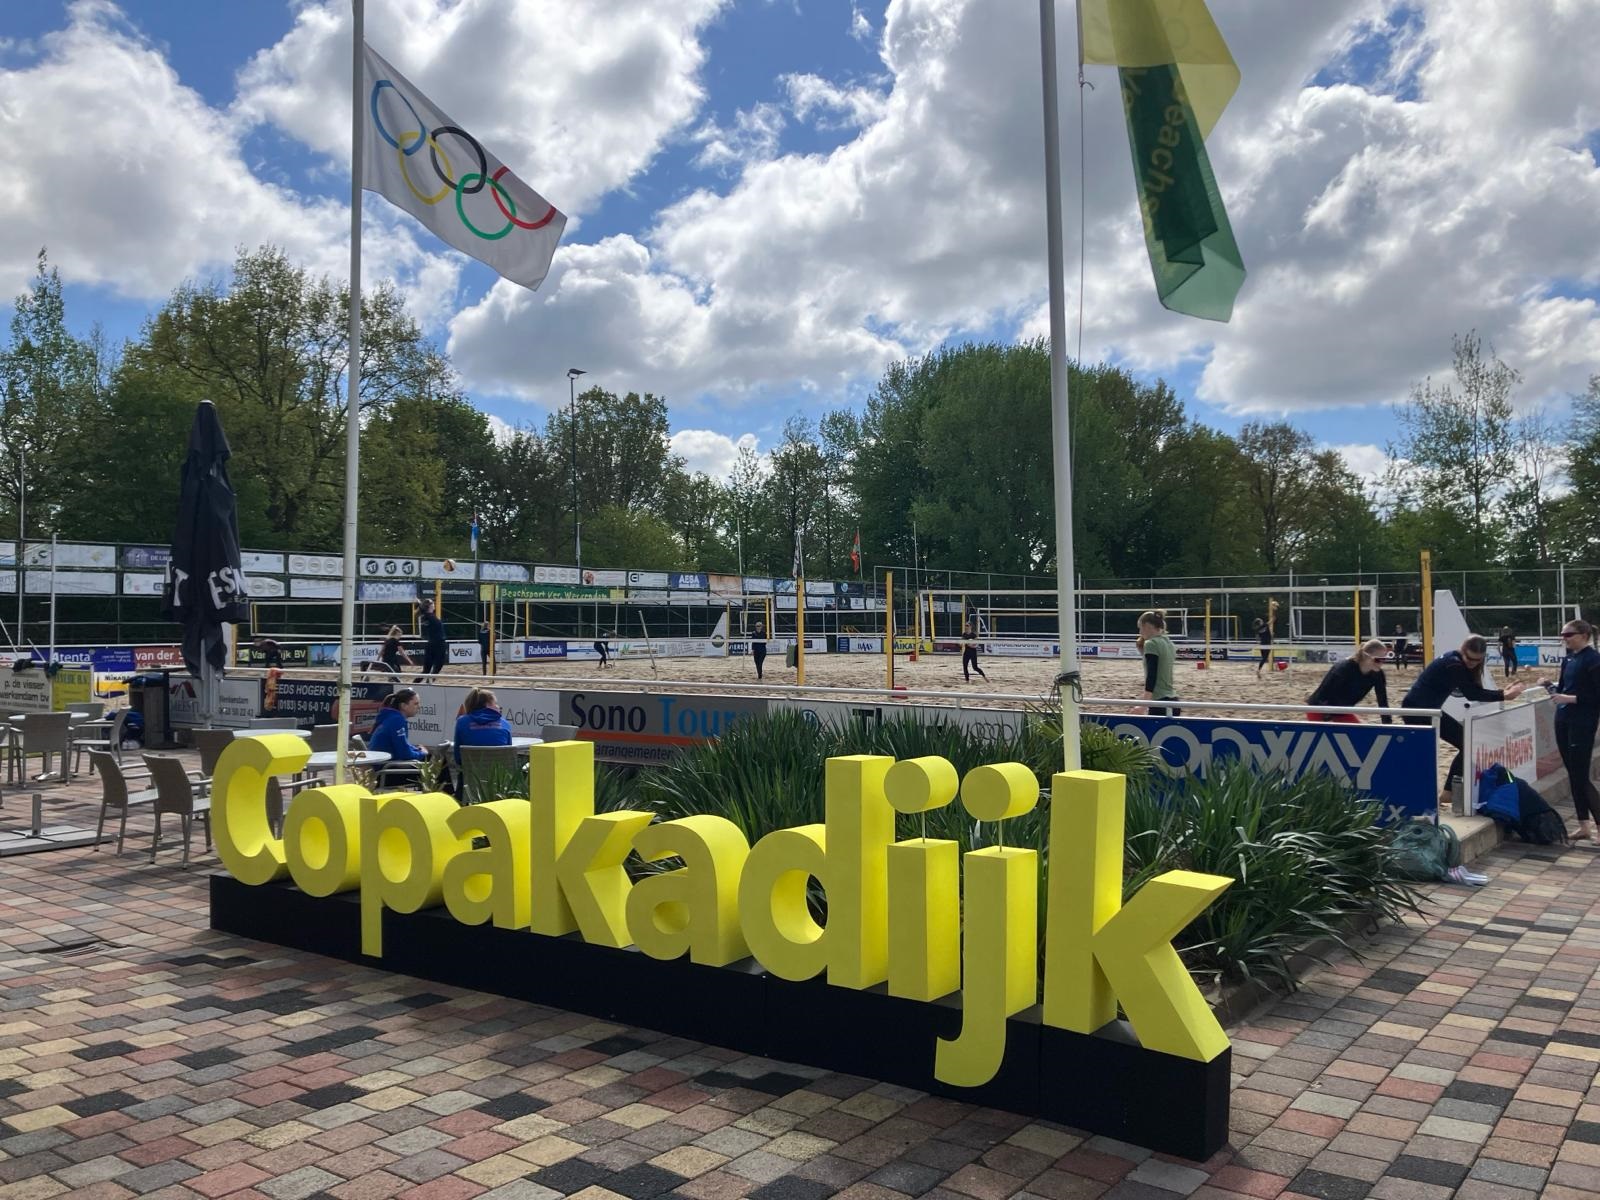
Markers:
115,795
179,793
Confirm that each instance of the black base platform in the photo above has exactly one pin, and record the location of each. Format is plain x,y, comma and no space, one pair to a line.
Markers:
1104,1083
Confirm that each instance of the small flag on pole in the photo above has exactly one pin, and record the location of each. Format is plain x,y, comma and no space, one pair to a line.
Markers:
474,533
420,160
855,553
1177,76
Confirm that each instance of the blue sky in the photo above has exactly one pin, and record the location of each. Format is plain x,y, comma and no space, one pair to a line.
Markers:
770,200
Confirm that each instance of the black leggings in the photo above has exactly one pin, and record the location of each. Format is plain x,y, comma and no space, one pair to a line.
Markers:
604,652
969,660
1266,653
1450,731
434,660
1576,739
758,651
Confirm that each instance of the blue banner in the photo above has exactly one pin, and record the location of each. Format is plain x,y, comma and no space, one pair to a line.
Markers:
146,558
533,650
1394,764
690,582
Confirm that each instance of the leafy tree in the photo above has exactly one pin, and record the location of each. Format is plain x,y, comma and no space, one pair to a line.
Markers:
1275,461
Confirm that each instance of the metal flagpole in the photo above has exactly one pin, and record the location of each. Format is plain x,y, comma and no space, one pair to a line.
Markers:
352,439
1067,681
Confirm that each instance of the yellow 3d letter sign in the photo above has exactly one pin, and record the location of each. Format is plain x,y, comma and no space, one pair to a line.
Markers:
550,865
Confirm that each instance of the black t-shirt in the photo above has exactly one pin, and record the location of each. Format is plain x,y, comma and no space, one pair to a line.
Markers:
1264,636
433,632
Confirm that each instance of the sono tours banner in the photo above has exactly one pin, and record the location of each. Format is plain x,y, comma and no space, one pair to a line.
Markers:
639,728
1395,764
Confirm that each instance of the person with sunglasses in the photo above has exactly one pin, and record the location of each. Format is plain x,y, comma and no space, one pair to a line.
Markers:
1577,698
1454,671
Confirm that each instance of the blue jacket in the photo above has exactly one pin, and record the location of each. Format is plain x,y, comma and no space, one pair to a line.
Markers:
1445,676
391,733
486,727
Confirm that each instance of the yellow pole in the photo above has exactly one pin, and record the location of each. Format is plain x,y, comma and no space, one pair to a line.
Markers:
1427,606
888,629
1205,663
800,631
494,628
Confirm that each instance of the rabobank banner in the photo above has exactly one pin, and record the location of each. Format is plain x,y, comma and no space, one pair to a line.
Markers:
1395,764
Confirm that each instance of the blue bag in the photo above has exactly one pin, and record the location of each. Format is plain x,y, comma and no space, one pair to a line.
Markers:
1499,797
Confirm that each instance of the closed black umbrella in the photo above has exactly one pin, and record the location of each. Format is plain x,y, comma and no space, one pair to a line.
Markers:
205,584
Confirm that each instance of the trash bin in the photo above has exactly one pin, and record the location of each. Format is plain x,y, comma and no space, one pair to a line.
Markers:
791,656
148,695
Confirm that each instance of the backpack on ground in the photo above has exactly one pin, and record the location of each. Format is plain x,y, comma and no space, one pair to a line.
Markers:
1518,809
1424,851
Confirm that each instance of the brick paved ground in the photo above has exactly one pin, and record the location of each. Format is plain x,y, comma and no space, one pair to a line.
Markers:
141,1054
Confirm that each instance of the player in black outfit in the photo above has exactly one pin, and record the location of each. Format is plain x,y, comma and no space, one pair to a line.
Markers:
1508,650
1347,683
1455,671
1264,638
1578,715
1401,645
758,647
969,652
603,649
435,649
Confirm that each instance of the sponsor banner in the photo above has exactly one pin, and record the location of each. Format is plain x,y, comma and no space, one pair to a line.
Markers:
8,554
544,649
157,658
552,591
857,644
403,591
687,597
388,568
1520,736
141,584
725,585
850,587
97,658
264,587
638,728
1016,649
498,572
465,652
326,654
455,591
25,691
647,579
528,710
435,568
316,589
256,560
316,564
69,554
8,582
246,655
997,724
1527,654
648,596
238,701
824,588
71,688
1395,764
557,575
1196,653
779,646
761,584
784,587
146,558
72,583
687,581
609,579
316,701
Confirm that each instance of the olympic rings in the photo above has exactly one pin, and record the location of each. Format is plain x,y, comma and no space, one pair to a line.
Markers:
470,183
512,215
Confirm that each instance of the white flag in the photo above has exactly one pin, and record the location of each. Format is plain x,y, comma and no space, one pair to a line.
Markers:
419,159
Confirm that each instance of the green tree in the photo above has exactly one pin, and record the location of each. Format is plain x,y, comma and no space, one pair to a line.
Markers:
1276,462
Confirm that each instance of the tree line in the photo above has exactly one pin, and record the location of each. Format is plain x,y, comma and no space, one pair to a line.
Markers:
949,457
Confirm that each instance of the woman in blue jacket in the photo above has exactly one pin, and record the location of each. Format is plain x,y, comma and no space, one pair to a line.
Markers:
1578,715
391,732
481,723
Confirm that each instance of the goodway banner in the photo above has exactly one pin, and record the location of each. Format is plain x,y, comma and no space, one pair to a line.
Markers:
1394,764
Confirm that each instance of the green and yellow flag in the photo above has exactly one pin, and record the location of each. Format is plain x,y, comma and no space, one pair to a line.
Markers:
1177,76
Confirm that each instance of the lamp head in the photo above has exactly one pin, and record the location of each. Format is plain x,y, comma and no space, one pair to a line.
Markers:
574,372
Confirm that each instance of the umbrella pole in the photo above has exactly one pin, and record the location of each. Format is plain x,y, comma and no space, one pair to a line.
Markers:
352,453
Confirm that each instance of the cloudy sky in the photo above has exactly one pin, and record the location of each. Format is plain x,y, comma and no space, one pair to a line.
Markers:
770,200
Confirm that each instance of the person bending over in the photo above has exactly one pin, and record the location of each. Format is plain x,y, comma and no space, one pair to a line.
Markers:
603,649
1347,683
391,732
1454,671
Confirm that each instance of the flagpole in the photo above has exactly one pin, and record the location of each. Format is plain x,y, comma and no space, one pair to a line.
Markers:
1067,681
352,439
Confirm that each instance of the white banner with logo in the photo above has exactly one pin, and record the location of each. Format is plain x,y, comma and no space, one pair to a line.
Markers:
316,564
73,583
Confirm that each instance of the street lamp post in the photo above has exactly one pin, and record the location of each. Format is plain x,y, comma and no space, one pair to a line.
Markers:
22,534
572,420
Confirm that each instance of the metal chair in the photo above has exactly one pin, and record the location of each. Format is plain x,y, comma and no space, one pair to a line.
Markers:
49,735
211,743
93,710
111,743
324,737
483,767
558,733
178,793
114,793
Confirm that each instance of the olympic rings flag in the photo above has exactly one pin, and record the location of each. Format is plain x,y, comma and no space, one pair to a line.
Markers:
417,158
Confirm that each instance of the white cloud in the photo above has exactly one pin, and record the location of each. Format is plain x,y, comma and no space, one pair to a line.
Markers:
1364,459
836,107
577,98
753,137
501,430
708,452
860,27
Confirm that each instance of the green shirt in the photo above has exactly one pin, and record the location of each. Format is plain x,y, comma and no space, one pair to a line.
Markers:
1161,646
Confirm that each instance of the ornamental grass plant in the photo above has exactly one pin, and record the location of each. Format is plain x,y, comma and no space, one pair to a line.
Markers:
1308,859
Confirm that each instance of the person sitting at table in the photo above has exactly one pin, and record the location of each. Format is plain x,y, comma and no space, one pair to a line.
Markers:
481,724
391,731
